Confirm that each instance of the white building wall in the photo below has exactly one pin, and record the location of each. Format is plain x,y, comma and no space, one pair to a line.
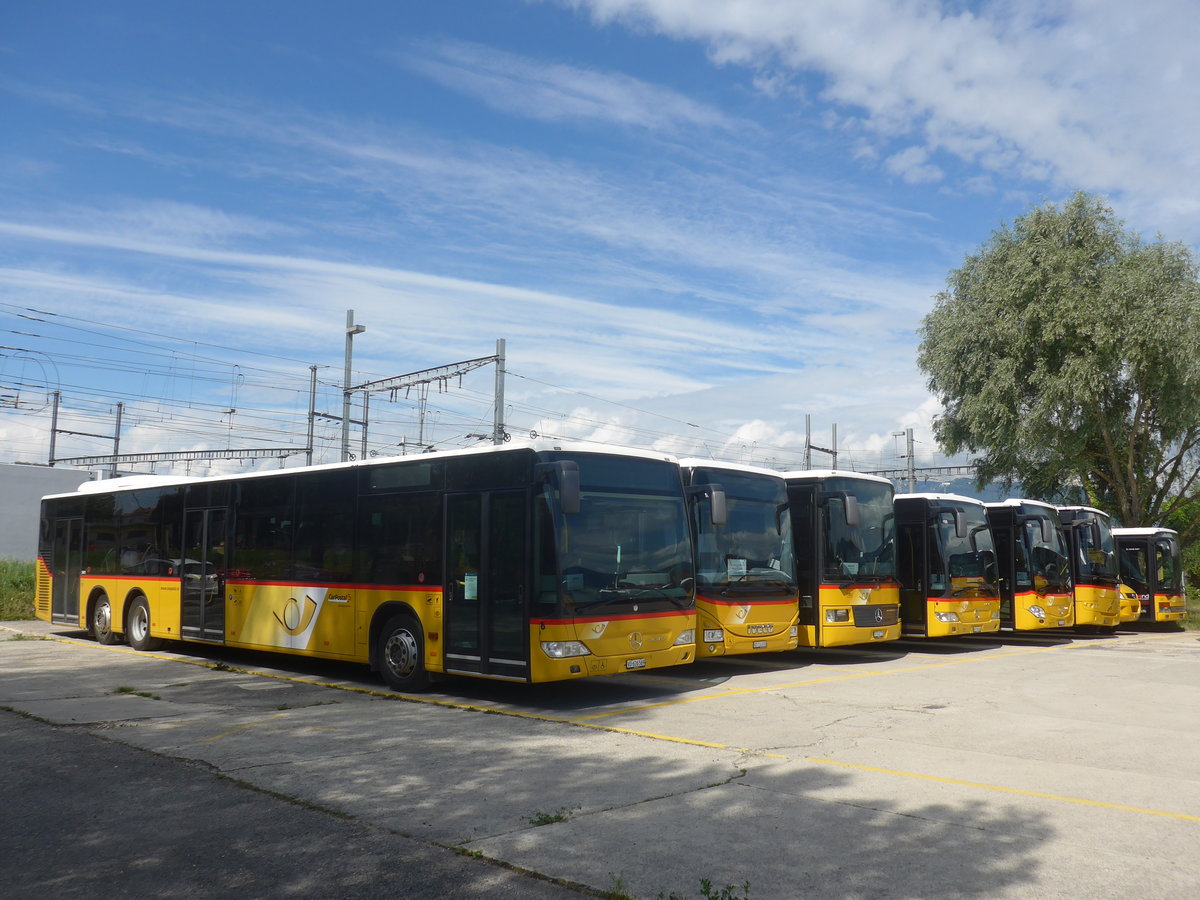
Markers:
21,492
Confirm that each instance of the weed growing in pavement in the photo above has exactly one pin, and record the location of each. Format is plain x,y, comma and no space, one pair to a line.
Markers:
545,818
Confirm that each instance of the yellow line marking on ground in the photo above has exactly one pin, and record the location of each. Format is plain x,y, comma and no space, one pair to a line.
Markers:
738,692
1081,801
581,721
246,727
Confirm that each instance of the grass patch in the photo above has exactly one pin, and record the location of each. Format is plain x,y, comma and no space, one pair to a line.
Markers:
549,818
136,693
16,590
1192,622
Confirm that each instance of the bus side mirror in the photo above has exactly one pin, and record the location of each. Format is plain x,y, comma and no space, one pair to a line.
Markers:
1047,532
960,524
715,493
717,501
852,516
566,473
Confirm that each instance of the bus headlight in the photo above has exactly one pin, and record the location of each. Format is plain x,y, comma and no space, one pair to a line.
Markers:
713,636
687,637
837,615
1038,612
794,631
564,649
947,616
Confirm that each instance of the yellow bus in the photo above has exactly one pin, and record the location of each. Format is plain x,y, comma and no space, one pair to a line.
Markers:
1035,572
1093,568
746,595
842,525
946,565
525,563
1150,565
1131,604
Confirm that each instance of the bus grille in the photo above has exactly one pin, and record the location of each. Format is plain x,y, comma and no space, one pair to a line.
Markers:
42,587
876,616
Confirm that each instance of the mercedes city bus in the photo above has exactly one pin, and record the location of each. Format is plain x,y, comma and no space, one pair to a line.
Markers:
1035,573
1150,565
946,565
522,563
842,524
746,595
1093,568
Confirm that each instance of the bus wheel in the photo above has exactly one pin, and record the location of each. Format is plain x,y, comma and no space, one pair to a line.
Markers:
402,656
137,626
102,621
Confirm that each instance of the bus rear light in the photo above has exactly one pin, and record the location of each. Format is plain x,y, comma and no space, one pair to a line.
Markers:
564,649
686,637
837,615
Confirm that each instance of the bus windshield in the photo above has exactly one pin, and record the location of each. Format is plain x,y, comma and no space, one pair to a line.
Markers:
1041,565
1097,560
962,567
1169,572
753,550
622,551
865,552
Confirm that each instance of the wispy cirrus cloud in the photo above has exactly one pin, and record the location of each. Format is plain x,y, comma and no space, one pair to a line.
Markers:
550,91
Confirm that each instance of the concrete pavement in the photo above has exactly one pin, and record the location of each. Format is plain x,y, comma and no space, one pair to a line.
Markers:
1050,767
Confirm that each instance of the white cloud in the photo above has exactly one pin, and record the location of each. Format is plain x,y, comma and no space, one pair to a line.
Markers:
550,91
1079,94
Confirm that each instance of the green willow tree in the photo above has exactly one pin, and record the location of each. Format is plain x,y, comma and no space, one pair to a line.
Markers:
1066,354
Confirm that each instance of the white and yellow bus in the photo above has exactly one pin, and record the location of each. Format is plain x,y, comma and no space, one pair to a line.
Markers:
946,564
843,528
746,595
522,563
1093,568
1150,565
1035,572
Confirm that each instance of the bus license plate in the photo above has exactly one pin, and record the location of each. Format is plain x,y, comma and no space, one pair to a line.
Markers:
760,645
977,629
635,663
878,635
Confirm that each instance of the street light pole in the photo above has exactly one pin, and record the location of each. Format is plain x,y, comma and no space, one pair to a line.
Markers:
351,331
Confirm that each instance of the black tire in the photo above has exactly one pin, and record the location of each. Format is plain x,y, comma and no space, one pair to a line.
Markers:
137,626
401,654
102,621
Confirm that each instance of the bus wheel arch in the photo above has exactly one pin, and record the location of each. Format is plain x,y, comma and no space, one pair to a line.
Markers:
400,652
137,623
100,618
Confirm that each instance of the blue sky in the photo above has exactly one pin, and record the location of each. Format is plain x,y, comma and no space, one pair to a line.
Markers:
692,221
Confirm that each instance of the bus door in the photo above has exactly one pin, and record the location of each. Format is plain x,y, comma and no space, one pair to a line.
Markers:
484,594
67,564
202,572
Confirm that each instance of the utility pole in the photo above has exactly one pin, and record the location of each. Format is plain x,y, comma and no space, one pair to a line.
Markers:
351,330
498,419
312,412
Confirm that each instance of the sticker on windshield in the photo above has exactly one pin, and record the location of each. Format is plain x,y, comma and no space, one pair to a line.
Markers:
737,568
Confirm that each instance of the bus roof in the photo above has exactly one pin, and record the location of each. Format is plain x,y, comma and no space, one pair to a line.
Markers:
1017,502
1087,509
541,445
941,498
818,474
692,462
1144,532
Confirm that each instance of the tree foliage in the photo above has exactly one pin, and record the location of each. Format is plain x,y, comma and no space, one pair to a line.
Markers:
1066,353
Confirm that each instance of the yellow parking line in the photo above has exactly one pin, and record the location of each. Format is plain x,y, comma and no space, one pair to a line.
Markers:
738,692
1081,801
